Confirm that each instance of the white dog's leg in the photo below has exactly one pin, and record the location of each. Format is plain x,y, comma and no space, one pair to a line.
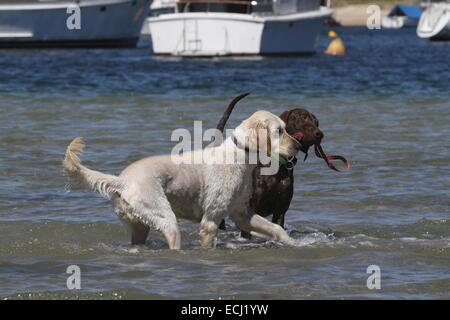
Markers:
139,230
173,237
253,222
208,232
151,206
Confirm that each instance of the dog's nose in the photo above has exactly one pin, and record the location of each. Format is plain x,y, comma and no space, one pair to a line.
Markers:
318,134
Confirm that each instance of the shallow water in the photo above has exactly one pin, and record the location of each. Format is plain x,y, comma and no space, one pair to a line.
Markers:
385,106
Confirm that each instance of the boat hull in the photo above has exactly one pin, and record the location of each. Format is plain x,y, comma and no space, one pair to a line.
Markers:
434,23
399,22
222,34
103,23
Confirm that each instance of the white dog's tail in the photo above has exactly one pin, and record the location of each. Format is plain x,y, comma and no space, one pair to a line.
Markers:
97,181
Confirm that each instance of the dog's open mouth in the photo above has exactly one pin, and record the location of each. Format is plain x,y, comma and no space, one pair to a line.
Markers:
298,136
304,148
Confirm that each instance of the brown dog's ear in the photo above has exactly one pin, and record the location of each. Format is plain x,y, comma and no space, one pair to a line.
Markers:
285,116
315,119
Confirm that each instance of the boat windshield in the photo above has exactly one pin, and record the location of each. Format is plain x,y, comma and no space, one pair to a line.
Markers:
248,6
235,6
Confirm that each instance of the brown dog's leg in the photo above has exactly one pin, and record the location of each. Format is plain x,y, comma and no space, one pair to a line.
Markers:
278,219
246,235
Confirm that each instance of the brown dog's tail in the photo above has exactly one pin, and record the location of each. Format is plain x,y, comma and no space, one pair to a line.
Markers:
97,181
221,127
228,110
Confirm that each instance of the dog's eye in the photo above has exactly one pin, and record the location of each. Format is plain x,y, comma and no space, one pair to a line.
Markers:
280,130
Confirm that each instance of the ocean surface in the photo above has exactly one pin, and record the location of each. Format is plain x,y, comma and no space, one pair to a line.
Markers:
385,106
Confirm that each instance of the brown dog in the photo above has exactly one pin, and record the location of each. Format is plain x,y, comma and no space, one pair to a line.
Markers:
272,194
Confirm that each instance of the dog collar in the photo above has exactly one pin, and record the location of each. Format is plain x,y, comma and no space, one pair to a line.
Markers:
279,158
276,156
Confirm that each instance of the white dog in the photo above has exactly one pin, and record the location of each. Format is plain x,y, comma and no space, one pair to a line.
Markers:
154,191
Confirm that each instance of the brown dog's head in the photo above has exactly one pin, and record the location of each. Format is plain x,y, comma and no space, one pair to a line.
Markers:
303,126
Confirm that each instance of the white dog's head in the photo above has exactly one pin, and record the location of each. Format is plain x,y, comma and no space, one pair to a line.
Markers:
264,131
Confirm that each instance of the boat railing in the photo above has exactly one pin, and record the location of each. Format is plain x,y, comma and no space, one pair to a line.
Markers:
240,2
428,3
436,1
258,7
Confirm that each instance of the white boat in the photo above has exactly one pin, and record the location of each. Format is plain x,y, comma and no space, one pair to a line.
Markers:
156,8
402,16
435,21
50,23
238,27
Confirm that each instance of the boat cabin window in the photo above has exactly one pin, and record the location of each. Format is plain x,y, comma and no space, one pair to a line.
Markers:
231,6
263,7
159,11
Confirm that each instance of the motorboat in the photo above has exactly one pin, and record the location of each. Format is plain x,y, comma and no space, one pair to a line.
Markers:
402,16
434,22
238,27
78,23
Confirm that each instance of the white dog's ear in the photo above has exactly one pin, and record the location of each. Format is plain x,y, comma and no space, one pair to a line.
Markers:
259,136
268,139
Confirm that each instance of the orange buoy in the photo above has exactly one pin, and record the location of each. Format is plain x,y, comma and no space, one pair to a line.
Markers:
336,47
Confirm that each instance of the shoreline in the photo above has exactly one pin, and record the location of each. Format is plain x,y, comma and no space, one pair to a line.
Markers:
352,13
